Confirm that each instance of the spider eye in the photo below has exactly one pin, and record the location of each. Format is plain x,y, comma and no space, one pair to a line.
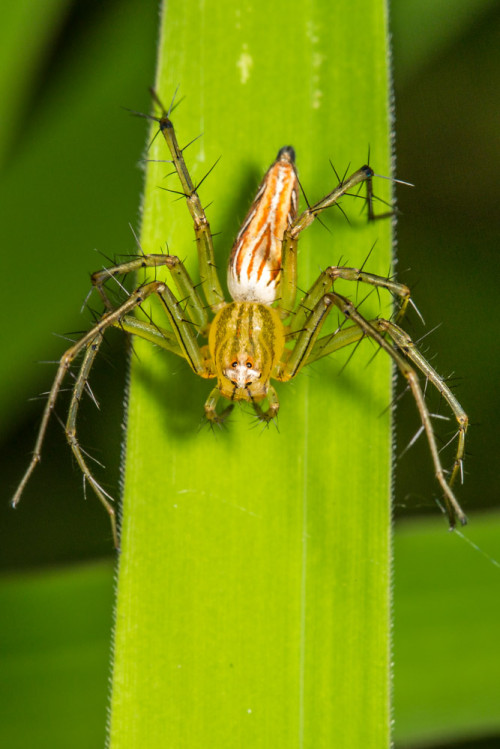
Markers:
234,364
249,364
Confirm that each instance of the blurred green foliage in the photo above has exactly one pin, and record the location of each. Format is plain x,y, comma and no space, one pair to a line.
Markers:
70,183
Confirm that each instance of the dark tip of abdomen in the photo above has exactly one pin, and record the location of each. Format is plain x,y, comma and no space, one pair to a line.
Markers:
287,152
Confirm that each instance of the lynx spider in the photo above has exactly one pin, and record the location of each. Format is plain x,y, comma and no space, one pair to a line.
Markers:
247,336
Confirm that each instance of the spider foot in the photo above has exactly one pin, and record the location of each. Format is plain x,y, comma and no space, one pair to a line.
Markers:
217,419
268,415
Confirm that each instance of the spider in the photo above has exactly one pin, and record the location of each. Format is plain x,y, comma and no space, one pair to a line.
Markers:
261,335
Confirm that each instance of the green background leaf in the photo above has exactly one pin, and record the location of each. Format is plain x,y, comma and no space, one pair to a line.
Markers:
265,583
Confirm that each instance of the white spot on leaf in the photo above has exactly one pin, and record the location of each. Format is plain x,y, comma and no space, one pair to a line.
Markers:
245,64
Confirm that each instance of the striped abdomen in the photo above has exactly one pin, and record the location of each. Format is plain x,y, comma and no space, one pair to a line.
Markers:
255,262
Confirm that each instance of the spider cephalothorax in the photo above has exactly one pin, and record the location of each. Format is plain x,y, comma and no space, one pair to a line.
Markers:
246,343
246,337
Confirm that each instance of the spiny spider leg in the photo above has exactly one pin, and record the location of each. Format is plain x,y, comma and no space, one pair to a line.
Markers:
326,280
291,235
182,340
93,337
70,431
273,405
187,290
150,332
306,350
345,336
405,344
370,198
211,413
208,271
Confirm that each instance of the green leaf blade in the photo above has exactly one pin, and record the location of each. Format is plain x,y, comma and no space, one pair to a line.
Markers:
253,602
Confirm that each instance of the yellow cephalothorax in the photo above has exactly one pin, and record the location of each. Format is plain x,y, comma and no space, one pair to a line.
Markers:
246,342
246,337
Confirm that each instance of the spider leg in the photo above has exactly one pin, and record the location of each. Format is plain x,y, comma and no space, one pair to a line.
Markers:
308,348
340,338
185,332
185,286
265,415
405,344
208,271
269,414
183,340
211,414
90,343
325,282
345,336
150,332
71,436
288,287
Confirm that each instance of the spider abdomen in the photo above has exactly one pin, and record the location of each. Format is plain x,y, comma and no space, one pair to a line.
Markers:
246,341
255,262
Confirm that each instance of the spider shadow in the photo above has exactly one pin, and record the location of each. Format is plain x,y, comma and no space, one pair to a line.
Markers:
337,373
238,203
181,394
